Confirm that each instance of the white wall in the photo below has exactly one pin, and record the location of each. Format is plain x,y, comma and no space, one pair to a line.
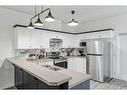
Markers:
7,20
123,57
7,46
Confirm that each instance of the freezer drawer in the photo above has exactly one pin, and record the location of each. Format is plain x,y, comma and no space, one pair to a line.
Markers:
96,67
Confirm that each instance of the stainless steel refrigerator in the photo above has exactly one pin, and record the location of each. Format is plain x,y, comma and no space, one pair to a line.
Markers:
98,59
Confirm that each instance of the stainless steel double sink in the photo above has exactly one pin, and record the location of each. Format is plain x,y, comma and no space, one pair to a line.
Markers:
51,67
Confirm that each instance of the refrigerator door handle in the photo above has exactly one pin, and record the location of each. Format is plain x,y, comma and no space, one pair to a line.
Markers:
95,54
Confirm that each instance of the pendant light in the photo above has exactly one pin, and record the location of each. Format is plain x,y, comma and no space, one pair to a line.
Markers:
73,22
49,18
30,26
38,22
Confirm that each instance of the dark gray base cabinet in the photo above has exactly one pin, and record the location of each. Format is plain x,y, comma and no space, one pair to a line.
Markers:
29,82
18,78
42,85
83,85
24,80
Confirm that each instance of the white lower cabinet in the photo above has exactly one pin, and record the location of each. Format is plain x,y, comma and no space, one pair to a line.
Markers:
81,64
77,64
72,64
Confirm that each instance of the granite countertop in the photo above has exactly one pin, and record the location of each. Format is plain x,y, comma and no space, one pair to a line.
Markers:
48,76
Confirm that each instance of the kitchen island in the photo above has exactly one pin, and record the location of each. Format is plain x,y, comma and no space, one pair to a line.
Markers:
30,75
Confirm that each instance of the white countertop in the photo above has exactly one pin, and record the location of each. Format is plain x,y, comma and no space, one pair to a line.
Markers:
48,76
77,77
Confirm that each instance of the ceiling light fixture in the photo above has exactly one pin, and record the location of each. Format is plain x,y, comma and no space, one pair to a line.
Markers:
48,18
38,22
30,26
73,22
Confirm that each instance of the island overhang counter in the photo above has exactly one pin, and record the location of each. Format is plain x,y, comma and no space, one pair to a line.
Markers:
49,79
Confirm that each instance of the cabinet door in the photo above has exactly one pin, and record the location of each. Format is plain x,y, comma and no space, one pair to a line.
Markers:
29,82
81,64
68,40
18,78
35,39
23,39
45,36
71,64
42,85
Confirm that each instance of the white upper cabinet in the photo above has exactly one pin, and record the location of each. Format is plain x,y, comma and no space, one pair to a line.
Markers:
76,40
22,38
27,38
35,39
47,35
45,38
68,41
95,35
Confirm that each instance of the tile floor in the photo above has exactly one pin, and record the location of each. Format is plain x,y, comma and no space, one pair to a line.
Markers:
113,84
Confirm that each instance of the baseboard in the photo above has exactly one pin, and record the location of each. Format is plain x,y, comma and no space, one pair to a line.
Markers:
6,87
9,88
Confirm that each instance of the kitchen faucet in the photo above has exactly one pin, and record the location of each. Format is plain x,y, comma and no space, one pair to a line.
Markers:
37,57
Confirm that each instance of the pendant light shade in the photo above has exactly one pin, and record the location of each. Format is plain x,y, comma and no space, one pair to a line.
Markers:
30,26
49,18
73,22
38,22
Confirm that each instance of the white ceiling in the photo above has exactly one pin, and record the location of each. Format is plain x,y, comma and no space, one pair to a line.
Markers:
83,13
